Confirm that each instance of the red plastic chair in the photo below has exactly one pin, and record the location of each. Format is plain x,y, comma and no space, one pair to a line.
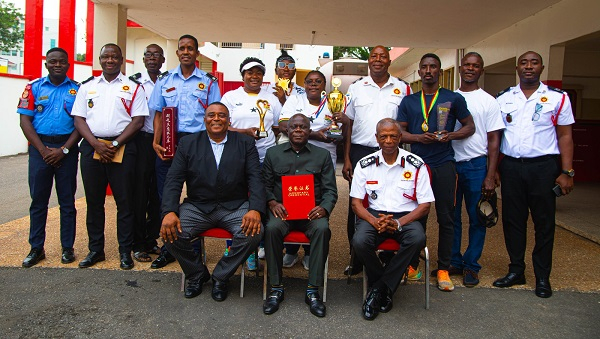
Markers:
217,233
297,238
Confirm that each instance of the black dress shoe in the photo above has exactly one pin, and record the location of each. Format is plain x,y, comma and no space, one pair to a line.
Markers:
316,304
386,303
163,260
68,256
354,270
126,261
542,288
194,286
91,259
275,298
219,290
509,280
372,304
34,256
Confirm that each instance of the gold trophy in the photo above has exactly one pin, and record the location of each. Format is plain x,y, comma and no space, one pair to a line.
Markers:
284,84
336,102
263,107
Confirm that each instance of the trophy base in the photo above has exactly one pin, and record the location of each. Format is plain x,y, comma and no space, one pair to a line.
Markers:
262,134
334,135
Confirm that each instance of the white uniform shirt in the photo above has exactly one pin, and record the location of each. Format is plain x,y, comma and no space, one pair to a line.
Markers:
244,114
148,88
368,103
105,105
391,187
320,120
486,115
530,132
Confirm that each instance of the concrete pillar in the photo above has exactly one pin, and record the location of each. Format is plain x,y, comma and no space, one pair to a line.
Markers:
170,54
66,32
110,26
34,31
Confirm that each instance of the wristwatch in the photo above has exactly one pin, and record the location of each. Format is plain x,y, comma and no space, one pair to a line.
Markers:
115,144
570,172
399,225
64,150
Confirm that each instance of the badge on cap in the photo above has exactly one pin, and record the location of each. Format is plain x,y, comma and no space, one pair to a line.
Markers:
201,86
39,108
90,103
373,195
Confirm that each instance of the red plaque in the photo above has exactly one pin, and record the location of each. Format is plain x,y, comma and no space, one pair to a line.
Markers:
298,194
169,132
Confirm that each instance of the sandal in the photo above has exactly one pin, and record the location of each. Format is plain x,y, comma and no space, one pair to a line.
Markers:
142,257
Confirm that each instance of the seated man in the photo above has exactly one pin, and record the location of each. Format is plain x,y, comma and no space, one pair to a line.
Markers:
298,157
397,184
224,189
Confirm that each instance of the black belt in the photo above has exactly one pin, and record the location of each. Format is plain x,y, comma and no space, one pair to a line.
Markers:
107,138
368,148
147,134
481,156
54,139
536,159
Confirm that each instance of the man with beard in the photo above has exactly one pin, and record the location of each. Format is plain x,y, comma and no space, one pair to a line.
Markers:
45,109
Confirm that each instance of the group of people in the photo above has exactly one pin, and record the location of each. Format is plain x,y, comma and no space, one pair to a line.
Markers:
235,151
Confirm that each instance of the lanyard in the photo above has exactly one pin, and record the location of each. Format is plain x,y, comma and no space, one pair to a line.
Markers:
320,109
426,110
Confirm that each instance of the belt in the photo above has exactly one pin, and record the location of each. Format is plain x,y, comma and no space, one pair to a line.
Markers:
107,138
369,148
481,156
54,139
147,134
536,159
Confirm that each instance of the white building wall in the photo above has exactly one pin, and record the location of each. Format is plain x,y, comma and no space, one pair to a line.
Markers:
12,140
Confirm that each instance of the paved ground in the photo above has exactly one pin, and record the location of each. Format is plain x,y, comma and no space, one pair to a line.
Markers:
48,302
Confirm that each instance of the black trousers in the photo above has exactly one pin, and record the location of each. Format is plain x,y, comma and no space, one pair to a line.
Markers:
527,186
357,152
367,238
96,176
146,204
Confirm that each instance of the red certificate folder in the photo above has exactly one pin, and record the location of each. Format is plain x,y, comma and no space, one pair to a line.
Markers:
298,194
169,132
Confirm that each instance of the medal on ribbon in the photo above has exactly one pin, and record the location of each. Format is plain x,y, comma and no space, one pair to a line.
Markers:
427,109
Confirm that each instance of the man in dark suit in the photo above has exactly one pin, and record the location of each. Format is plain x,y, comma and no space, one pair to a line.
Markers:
224,189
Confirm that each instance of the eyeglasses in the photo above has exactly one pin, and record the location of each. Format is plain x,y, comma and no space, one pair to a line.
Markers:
152,55
283,65
313,82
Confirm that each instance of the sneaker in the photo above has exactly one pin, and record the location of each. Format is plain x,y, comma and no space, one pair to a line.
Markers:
414,274
470,278
444,282
226,253
261,253
290,260
305,261
251,263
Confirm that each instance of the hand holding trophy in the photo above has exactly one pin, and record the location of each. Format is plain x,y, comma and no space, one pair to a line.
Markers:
284,84
442,118
336,102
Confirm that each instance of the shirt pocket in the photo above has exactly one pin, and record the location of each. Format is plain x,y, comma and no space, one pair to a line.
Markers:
68,104
124,99
91,100
170,98
394,101
542,116
508,110
200,96
281,171
370,188
41,106
406,188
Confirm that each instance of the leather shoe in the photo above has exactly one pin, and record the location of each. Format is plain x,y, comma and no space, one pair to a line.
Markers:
275,298
313,299
126,261
194,286
371,306
34,256
163,260
542,288
91,259
354,270
387,303
68,256
219,290
509,280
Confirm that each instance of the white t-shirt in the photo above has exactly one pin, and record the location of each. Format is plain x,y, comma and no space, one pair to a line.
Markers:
486,115
244,114
321,118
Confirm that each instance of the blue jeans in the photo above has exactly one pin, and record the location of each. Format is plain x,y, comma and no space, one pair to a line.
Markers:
41,177
470,179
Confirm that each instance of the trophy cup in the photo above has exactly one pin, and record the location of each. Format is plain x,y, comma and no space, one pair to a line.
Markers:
442,119
263,107
336,102
284,84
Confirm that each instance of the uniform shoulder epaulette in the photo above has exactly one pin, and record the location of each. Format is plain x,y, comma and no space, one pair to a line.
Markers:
556,89
357,80
368,161
162,75
136,78
212,77
502,92
414,161
87,80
